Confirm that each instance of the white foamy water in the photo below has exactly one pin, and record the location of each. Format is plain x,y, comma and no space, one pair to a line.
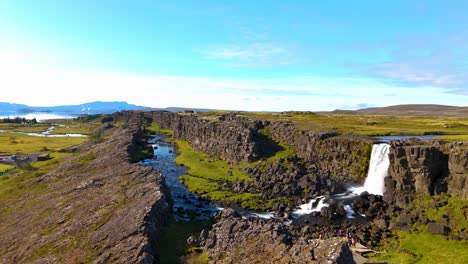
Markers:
309,207
349,211
378,170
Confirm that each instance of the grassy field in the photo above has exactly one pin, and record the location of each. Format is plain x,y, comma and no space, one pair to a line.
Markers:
14,184
205,172
26,128
422,247
5,167
378,125
13,143
76,127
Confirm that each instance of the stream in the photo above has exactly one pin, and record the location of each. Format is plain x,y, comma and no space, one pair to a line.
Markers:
186,205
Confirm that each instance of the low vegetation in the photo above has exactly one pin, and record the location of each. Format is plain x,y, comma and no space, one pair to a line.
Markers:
155,128
172,244
422,247
15,184
5,167
205,175
13,143
418,245
370,125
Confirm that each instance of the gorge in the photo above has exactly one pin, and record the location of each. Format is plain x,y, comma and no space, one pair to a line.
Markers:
233,187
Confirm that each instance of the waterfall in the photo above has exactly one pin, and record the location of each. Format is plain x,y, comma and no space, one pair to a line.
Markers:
378,170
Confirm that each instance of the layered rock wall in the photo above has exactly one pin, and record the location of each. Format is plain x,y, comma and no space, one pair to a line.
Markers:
239,139
339,156
426,167
234,139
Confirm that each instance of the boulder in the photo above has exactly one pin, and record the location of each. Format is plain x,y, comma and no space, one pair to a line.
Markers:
438,229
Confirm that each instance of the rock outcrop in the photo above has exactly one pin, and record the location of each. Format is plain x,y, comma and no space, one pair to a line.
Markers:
95,206
458,170
232,138
239,139
426,167
237,240
342,157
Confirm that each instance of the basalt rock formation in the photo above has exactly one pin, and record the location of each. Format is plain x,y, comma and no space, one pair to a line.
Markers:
94,206
236,240
239,139
231,138
426,167
342,157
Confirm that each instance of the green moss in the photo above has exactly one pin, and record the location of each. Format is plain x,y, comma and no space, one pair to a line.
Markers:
172,244
119,124
155,128
83,159
203,166
6,167
455,209
422,247
205,175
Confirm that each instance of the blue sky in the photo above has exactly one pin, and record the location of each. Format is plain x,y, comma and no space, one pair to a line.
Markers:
246,55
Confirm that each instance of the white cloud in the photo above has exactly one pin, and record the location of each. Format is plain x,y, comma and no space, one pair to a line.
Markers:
26,78
252,55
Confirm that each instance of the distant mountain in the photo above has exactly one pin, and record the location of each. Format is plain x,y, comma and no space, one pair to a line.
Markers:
411,109
87,108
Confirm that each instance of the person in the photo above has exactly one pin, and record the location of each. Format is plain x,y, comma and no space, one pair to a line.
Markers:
340,233
320,236
353,242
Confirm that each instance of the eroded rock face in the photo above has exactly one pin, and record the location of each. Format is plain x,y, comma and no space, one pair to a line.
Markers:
240,139
342,157
237,240
234,139
99,208
426,167
458,168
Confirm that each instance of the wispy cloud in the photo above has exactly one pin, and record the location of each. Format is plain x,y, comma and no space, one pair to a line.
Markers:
439,60
419,75
252,55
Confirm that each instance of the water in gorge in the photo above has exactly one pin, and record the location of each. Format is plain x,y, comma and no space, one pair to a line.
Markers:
186,205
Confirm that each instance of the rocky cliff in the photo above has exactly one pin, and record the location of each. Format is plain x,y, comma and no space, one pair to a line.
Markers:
237,240
426,167
95,206
231,138
239,139
343,157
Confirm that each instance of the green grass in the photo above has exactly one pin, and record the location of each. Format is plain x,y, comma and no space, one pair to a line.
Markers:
172,244
454,137
15,184
455,209
5,167
205,173
155,128
422,247
370,125
26,128
12,143
76,127
203,166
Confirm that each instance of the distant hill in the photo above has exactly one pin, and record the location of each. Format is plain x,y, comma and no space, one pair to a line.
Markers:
411,109
87,108
97,107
